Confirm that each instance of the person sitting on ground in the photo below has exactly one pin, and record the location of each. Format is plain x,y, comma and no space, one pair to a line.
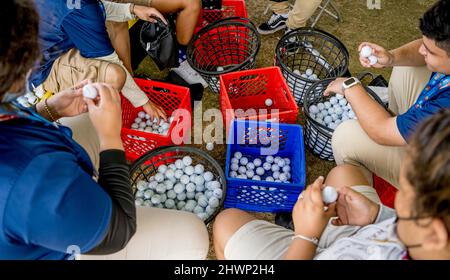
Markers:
283,19
364,229
50,206
188,12
419,87
75,46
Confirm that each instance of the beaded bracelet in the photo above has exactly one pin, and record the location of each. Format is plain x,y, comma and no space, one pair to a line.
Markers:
49,111
313,240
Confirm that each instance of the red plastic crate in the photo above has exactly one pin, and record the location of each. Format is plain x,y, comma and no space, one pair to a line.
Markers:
385,191
170,98
230,8
249,90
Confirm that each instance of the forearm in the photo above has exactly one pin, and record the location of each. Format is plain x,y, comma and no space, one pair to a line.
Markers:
379,125
114,178
130,90
118,12
300,250
408,55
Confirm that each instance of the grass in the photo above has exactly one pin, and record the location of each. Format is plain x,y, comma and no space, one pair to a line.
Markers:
392,26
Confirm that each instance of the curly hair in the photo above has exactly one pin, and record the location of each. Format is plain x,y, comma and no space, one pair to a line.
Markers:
19,49
429,169
435,24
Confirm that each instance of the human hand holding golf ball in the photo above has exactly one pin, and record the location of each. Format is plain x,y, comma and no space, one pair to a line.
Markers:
308,214
68,103
374,56
355,209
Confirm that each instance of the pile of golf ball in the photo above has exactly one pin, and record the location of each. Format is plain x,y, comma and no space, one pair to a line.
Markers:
269,169
181,186
367,52
333,112
308,75
156,126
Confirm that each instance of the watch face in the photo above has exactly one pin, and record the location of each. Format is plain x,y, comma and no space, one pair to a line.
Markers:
349,82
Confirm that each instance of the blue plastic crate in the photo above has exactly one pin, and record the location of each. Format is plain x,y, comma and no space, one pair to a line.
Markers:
257,140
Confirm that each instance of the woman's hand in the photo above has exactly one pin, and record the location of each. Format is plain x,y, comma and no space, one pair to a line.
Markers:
106,116
385,58
148,13
309,215
154,111
354,209
69,103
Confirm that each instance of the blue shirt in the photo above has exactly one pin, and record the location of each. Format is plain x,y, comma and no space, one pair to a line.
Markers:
48,199
63,27
434,98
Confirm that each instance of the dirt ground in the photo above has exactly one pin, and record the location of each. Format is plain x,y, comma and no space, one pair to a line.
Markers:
394,24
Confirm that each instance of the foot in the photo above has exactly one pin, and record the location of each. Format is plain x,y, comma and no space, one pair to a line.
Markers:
275,23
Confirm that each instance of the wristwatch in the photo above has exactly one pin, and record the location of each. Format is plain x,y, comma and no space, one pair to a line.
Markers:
349,83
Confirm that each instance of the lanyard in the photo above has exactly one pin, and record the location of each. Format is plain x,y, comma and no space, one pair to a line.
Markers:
434,87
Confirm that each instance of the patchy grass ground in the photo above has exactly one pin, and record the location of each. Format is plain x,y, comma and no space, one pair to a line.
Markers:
395,24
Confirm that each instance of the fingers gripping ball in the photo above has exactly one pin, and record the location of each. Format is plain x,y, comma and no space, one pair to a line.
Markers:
329,195
89,91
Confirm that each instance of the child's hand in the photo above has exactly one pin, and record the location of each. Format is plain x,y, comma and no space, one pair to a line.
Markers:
309,215
354,209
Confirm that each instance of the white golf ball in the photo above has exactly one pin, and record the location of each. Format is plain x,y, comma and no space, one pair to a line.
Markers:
189,170
373,60
327,105
179,164
268,102
329,195
320,106
366,51
313,109
185,179
199,169
89,91
208,176
267,166
270,159
244,161
209,146
178,173
250,165
309,72
257,162
260,171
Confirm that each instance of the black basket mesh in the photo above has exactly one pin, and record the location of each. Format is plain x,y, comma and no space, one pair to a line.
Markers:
147,166
307,48
222,47
318,136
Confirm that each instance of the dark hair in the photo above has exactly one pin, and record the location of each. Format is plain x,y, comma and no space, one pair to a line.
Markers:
429,167
435,24
19,49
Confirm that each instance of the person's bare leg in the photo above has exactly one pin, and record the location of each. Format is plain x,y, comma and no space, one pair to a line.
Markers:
120,40
189,11
346,175
115,76
226,224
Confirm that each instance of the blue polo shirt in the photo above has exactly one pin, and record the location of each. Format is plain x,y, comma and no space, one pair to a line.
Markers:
64,26
425,107
48,199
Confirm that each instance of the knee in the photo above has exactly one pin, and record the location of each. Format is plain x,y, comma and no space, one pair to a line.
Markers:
193,5
115,76
224,220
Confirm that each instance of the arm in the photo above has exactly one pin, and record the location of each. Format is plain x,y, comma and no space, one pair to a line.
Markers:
379,125
310,220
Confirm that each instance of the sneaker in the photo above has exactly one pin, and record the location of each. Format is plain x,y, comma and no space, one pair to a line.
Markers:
275,23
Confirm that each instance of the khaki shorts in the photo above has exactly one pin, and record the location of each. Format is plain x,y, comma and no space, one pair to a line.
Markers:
72,68
67,71
261,240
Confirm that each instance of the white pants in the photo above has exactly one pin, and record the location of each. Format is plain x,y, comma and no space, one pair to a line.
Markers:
163,235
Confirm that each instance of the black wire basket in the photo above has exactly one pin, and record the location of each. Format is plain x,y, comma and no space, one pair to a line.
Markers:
313,50
224,46
147,166
318,136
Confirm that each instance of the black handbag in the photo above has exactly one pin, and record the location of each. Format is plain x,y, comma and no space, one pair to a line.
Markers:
160,42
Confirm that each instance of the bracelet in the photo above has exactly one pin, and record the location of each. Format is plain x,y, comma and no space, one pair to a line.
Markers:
313,240
49,111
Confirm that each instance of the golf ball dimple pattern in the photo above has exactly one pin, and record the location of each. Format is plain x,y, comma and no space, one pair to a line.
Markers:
183,186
